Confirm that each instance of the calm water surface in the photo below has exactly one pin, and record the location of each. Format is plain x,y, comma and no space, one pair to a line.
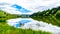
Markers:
26,23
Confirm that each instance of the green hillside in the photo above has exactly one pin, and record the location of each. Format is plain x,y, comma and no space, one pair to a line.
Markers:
50,12
51,16
5,16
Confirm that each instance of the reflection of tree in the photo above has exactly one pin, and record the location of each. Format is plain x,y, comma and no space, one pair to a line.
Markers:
49,20
21,24
38,24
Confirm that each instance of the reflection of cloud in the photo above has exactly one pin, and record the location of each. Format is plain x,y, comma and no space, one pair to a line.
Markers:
36,25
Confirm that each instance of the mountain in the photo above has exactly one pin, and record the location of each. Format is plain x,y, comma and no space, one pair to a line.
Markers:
50,16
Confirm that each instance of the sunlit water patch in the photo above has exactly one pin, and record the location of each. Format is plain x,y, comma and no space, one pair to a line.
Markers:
26,23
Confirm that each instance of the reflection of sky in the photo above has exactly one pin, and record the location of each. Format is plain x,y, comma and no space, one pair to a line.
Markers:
18,21
25,21
21,9
21,22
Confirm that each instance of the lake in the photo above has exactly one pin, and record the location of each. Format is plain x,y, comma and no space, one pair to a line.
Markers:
26,23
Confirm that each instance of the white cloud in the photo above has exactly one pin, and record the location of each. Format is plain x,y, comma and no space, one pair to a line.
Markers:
33,4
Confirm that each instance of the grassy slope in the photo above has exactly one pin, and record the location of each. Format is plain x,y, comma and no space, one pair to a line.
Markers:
6,29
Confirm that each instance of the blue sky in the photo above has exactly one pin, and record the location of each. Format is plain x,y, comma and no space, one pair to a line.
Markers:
29,5
20,8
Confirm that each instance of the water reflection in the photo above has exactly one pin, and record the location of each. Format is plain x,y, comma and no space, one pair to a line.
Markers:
50,20
18,22
26,23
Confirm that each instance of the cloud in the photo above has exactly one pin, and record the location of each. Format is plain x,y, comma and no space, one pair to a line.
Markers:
34,5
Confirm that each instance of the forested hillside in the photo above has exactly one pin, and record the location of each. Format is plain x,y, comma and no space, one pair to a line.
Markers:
50,16
50,12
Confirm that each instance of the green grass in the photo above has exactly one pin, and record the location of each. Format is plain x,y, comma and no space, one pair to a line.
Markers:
5,16
6,29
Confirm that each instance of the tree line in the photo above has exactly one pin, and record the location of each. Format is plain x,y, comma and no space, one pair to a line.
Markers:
49,12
